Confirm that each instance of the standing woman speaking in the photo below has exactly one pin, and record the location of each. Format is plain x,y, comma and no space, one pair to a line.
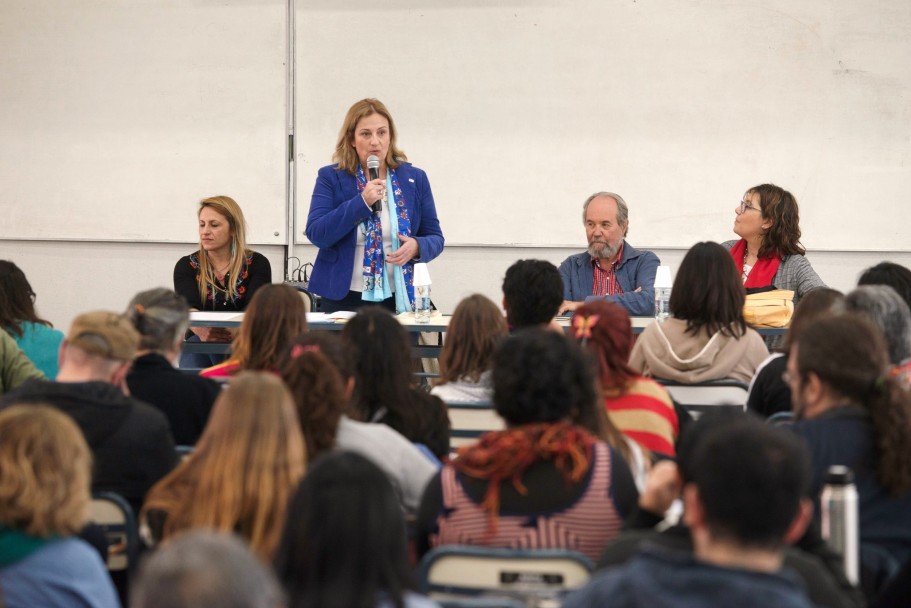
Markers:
370,229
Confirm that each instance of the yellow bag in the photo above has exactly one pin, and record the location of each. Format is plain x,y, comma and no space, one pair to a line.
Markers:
769,309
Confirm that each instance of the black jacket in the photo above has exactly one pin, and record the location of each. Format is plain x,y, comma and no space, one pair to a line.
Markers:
130,440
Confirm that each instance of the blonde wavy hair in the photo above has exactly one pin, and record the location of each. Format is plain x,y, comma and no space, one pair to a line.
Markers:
228,208
46,472
244,469
345,155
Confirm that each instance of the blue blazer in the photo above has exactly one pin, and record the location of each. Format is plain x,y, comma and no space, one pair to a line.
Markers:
636,271
336,210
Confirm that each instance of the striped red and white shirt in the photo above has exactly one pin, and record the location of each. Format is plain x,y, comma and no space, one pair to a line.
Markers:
605,281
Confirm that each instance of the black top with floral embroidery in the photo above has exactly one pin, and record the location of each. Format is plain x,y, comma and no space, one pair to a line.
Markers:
256,272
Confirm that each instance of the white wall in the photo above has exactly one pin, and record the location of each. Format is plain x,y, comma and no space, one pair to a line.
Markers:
73,277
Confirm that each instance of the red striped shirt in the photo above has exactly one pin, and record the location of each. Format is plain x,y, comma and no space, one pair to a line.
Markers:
605,281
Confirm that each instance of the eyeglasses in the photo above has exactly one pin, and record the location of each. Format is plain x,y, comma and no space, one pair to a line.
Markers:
744,206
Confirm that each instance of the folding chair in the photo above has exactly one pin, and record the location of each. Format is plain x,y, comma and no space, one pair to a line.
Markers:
115,516
471,420
708,396
535,576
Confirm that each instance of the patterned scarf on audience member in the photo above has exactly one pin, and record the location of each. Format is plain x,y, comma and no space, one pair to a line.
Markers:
502,455
376,283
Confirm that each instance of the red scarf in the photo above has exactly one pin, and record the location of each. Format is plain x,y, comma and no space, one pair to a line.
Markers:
763,271
501,455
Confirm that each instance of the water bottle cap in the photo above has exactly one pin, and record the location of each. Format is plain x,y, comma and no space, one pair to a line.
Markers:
839,475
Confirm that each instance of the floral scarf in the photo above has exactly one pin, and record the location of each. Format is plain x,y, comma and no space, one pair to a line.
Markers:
376,283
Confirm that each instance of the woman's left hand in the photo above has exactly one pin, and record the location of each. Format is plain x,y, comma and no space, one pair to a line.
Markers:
407,251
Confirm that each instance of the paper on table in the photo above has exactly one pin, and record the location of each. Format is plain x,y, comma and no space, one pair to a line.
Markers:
198,315
341,315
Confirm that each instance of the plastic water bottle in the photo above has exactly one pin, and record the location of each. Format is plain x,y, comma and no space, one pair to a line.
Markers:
839,518
663,284
422,303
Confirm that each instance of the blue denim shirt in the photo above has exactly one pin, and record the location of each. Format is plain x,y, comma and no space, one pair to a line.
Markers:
636,271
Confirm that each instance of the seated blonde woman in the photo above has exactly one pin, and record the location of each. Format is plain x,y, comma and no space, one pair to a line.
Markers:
44,503
241,474
476,327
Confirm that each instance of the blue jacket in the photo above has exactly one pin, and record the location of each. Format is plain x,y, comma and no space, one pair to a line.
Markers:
336,210
636,271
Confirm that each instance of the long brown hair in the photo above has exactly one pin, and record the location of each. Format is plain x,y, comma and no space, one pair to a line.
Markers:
17,300
276,315
848,353
605,331
783,236
477,325
228,208
244,469
345,155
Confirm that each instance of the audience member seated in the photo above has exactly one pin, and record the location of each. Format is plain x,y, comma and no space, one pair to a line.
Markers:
161,318
769,393
889,273
853,413
641,408
15,367
384,386
241,474
611,269
882,305
707,338
222,275
820,568
44,501
35,336
532,294
515,487
131,441
317,371
276,315
206,570
344,541
474,331
744,498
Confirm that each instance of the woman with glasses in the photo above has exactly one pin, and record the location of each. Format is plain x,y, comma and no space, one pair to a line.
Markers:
769,252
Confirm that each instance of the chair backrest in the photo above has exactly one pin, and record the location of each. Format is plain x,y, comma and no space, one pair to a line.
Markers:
468,421
460,571
115,516
708,396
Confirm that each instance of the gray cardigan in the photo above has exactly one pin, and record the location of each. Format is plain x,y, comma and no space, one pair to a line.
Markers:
794,273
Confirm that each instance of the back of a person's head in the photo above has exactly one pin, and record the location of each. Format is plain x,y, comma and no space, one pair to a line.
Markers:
276,315
541,376
161,317
98,343
604,330
247,462
476,327
309,369
817,303
849,355
45,464
17,299
205,570
751,478
882,305
344,542
894,275
708,293
532,293
381,354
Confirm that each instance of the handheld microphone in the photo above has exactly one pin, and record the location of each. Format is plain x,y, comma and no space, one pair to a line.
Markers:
373,166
